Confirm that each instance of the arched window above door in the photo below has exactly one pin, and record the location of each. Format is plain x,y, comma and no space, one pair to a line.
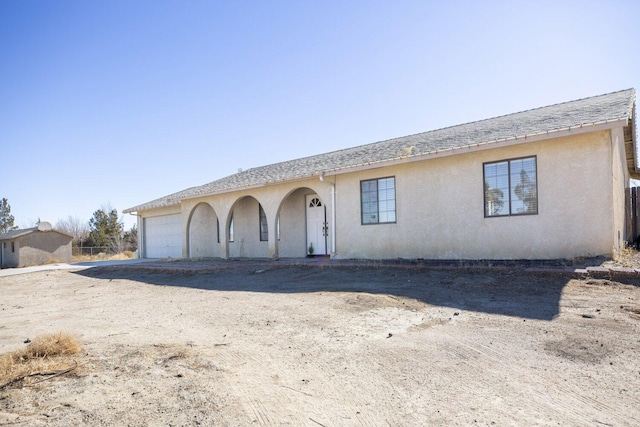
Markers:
315,202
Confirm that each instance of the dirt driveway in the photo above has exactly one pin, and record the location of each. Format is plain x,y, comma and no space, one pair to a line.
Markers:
258,344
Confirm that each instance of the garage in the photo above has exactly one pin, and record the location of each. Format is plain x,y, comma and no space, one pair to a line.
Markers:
163,237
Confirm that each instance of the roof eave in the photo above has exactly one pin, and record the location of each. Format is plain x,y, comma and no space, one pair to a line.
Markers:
140,208
480,146
504,142
30,231
15,236
635,173
253,186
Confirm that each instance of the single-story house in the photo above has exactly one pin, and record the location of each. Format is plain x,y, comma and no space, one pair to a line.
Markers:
546,183
34,246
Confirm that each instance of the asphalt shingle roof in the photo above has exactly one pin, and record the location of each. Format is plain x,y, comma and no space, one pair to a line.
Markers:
12,234
587,111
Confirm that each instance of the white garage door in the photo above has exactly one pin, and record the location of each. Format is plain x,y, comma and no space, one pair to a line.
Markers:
163,237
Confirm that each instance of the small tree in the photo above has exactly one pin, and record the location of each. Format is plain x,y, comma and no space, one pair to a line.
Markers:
75,227
125,241
106,229
6,219
131,239
527,192
494,199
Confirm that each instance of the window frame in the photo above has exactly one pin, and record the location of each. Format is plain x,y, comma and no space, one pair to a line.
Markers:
395,205
262,224
230,229
484,192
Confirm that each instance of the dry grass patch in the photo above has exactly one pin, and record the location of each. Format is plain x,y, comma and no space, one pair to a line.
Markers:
628,257
103,257
46,356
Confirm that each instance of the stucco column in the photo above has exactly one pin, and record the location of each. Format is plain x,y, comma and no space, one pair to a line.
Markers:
273,234
331,214
141,248
224,234
185,214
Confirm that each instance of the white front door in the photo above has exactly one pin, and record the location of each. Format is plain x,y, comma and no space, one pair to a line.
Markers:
317,230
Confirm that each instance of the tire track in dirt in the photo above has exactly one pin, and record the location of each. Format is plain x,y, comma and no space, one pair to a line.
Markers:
305,374
292,391
570,398
525,392
352,391
260,413
261,399
268,403
584,408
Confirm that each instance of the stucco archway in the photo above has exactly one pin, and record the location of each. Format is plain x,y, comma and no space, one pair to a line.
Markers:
292,223
248,229
203,240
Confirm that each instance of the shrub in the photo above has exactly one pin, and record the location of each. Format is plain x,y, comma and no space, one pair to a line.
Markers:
46,354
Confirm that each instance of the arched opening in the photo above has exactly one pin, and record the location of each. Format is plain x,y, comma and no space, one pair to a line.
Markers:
302,224
203,232
250,231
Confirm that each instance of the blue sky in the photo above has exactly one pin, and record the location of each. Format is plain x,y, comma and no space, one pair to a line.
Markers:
122,102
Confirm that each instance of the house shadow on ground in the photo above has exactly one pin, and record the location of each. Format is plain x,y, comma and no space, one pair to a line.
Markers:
510,292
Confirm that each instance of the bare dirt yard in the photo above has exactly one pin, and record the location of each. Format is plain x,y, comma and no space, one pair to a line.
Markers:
241,344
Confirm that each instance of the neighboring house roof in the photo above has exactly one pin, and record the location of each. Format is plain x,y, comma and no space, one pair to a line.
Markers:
612,107
14,234
9,235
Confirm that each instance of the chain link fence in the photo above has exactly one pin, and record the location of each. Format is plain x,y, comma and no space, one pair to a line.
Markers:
91,250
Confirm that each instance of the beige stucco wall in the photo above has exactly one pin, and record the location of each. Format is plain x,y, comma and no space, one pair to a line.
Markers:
246,241
41,247
286,199
440,207
10,258
203,232
293,221
620,182
161,211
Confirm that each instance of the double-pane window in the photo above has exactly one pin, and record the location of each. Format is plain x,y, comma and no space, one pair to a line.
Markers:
378,198
511,187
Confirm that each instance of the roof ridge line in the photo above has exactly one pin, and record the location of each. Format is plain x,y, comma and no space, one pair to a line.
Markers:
503,115
433,131
550,118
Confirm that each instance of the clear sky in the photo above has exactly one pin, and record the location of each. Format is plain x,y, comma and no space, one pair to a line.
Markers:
121,102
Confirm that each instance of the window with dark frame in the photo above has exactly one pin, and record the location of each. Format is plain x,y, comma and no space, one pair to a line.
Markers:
264,229
378,201
511,187
231,237
13,246
218,228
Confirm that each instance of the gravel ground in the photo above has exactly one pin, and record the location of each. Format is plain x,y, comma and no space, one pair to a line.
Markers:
268,343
